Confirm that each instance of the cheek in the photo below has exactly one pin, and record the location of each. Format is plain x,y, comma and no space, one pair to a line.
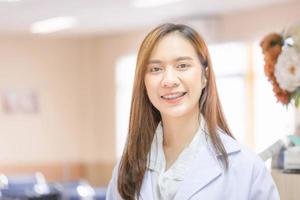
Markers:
195,85
194,79
151,87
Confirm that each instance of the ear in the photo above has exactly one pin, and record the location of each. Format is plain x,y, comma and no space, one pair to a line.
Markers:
203,82
204,75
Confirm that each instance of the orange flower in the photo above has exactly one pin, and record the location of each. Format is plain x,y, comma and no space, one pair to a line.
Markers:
271,46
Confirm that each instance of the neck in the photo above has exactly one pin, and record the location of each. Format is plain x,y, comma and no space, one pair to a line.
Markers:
179,131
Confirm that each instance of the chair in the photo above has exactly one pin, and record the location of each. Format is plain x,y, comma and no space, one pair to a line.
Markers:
100,193
77,190
33,186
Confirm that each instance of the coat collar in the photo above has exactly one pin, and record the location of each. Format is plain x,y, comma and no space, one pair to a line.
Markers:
205,169
147,187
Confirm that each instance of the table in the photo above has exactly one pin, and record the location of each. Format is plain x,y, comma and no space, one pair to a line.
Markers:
288,185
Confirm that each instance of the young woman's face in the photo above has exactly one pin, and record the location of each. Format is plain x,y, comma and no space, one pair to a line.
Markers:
173,77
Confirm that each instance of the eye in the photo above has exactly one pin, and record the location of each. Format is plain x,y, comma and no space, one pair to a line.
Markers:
154,69
183,66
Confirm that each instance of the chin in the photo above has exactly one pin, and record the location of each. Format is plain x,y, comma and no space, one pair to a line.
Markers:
176,112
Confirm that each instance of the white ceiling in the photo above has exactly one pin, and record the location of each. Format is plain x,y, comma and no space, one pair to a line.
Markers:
105,16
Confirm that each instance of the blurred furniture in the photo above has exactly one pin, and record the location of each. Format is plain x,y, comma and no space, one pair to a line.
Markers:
81,190
35,187
23,187
285,158
100,193
288,185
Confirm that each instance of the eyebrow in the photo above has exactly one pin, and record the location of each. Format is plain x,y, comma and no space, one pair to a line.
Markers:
153,61
183,58
177,59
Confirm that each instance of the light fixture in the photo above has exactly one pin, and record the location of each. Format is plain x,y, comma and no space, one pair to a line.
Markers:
52,25
9,1
152,3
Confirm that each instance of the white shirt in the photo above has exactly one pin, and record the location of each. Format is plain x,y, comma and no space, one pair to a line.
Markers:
167,182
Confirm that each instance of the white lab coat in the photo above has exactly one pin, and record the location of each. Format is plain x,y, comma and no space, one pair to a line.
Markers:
246,178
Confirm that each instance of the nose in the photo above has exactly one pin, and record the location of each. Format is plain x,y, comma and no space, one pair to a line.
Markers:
170,78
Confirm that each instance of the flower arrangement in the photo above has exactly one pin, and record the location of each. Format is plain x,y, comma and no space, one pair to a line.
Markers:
282,63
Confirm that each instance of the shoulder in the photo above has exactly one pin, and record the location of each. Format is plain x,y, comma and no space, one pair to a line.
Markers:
241,158
250,169
240,152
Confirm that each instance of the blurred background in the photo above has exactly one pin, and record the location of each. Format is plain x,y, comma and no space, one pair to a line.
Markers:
66,73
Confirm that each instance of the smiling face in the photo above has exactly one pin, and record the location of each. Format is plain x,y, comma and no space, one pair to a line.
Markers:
173,78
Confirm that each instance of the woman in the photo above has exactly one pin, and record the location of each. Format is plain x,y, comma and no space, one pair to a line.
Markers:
179,145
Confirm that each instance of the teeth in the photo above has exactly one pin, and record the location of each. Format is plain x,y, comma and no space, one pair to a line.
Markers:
173,96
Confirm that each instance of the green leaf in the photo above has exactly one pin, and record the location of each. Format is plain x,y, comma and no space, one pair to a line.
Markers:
297,98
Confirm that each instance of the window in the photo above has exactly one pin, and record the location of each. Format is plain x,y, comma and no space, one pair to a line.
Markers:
229,62
254,116
124,82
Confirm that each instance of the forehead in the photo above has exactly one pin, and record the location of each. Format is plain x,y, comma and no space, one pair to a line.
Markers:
172,46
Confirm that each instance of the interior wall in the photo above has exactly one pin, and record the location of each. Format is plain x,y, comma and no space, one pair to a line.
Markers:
73,129
101,144
51,69
255,24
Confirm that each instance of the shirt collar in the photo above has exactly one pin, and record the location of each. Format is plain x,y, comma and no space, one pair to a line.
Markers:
155,157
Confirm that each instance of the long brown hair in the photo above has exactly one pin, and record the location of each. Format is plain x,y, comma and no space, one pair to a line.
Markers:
144,117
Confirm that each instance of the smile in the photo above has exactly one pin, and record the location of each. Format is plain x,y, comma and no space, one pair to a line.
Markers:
173,96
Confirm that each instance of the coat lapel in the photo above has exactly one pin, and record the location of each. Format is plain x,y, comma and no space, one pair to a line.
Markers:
146,188
205,169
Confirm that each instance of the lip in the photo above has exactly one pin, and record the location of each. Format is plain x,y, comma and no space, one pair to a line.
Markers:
173,93
171,98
